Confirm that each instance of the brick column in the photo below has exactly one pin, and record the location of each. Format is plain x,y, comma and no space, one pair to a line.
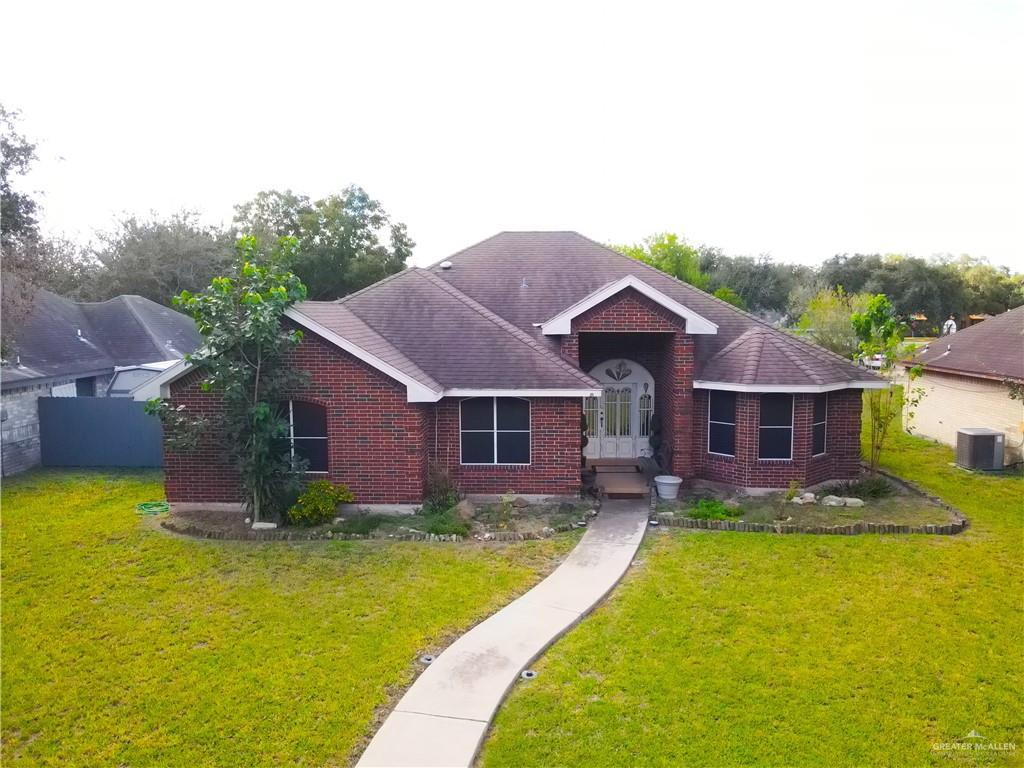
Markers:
571,348
680,362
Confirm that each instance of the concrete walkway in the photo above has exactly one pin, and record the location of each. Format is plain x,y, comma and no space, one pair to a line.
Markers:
442,719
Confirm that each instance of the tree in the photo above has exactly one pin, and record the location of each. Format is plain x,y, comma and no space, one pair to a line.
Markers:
827,320
728,294
18,210
881,334
850,272
763,284
30,260
159,258
671,254
243,361
339,237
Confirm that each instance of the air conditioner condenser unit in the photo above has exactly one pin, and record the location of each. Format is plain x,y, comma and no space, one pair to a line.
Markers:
979,448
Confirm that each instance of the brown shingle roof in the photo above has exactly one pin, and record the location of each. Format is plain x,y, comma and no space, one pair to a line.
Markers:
993,348
415,320
529,277
473,325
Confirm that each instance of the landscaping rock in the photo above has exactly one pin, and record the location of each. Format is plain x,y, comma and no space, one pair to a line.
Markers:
465,510
519,502
834,501
849,501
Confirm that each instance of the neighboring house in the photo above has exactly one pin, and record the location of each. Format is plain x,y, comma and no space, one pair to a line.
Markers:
487,362
69,349
967,380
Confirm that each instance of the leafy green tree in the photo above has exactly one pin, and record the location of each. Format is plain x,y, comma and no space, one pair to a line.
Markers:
159,258
341,245
242,360
764,284
725,293
827,320
671,254
880,334
18,210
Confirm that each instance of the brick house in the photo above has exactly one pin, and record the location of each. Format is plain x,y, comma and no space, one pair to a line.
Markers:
488,362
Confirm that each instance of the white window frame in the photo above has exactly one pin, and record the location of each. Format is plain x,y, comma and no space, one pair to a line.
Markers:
496,431
732,424
791,427
824,422
291,438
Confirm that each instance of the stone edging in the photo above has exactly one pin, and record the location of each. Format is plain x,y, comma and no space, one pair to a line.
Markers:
960,522
305,534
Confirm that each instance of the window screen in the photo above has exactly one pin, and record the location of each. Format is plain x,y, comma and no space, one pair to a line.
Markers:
820,425
495,430
775,435
722,422
307,433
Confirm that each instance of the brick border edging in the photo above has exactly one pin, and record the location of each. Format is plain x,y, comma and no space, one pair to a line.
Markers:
959,525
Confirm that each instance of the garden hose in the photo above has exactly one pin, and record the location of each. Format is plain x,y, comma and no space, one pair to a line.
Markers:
152,507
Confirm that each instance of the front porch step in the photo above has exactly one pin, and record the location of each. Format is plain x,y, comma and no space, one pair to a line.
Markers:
623,485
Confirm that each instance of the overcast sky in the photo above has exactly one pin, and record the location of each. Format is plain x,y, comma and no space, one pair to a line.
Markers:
799,129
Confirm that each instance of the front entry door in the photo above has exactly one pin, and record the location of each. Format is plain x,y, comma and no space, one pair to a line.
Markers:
619,421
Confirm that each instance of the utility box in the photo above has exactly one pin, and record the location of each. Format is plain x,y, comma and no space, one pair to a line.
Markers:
979,448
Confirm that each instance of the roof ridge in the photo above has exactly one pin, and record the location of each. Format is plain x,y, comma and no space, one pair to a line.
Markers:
785,350
142,323
426,378
365,289
501,323
461,250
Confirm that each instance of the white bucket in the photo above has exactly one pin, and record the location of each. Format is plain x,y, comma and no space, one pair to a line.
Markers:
668,486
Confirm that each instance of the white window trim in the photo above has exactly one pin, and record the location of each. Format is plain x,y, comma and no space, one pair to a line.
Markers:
496,431
291,439
816,423
732,424
788,389
791,428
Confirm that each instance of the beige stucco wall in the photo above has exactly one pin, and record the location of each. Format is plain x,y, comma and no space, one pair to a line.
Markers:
953,402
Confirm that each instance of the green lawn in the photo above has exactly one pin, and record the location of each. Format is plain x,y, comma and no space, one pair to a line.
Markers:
756,649
125,646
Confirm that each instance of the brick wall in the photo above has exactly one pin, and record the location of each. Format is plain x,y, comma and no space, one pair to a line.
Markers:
953,402
376,440
842,449
554,467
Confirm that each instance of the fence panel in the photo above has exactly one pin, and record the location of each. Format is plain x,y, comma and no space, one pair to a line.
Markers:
98,432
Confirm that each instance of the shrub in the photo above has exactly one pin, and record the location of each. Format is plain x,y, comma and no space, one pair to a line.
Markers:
441,493
712,509
361,524
317,503
445,523
868,487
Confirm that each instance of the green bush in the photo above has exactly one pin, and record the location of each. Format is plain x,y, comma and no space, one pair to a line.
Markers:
712,509
867,487
445,523
317,503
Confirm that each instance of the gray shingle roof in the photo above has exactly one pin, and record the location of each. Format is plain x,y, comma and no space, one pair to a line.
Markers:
993,348
125,330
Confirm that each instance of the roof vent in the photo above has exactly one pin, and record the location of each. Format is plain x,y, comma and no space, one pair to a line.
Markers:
524,284
446,265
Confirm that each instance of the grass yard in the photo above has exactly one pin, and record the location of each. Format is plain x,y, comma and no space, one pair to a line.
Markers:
125,646
756,649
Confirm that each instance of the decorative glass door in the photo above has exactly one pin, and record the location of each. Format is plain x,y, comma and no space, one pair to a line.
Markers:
619,421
